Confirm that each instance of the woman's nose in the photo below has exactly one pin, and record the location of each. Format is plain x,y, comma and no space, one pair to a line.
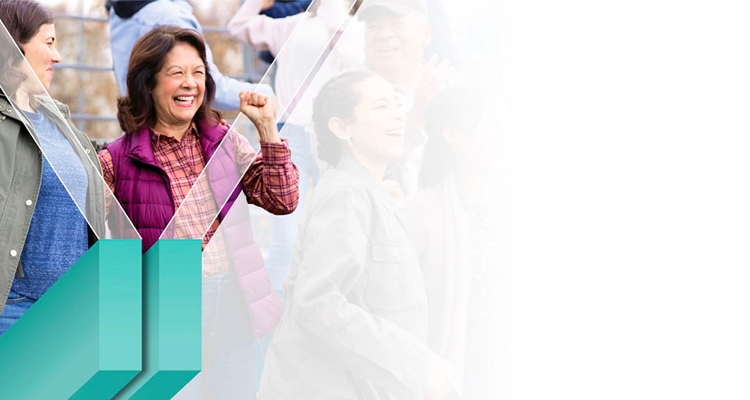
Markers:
189,82
56,58
398,113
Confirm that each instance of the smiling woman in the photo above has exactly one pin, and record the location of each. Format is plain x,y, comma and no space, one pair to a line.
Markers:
43,210
372,132
164,64
355,318
172,133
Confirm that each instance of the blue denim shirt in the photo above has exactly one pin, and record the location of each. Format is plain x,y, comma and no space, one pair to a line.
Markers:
125,32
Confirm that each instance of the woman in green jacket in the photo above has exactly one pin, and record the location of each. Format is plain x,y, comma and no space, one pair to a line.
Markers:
50,200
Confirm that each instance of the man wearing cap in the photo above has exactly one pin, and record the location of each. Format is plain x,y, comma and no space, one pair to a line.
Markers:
397,34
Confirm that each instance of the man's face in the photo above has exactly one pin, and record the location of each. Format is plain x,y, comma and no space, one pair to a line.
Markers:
395,42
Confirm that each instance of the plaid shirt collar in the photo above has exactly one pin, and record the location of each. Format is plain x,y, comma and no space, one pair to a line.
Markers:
191,135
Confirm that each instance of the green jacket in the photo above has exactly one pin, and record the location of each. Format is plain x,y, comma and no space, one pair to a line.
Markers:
21,177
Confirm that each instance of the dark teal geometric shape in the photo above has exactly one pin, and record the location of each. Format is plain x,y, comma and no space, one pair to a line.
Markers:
172,281
82,339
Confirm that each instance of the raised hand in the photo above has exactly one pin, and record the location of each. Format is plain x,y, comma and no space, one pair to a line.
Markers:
431,82
261,111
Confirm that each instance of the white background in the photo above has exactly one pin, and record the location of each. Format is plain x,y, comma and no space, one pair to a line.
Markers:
626,271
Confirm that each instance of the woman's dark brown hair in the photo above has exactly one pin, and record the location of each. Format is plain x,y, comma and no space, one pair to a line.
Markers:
22,19
137,109
336,99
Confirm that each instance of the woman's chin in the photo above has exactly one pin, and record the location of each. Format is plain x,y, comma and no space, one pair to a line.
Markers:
34,89
46,82
396,152
185,114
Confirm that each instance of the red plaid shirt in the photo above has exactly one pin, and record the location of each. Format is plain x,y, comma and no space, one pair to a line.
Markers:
271,182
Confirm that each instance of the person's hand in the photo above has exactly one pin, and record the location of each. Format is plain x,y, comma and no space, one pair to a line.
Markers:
267,4
431,82
257,107
438,384
261,111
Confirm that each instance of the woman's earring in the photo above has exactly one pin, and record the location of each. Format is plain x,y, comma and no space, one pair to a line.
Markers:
349,141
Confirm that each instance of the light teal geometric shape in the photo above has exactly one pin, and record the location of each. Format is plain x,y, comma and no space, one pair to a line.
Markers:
172,281
82,339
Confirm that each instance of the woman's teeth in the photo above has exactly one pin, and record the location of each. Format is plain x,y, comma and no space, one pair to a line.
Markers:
396,132
184,101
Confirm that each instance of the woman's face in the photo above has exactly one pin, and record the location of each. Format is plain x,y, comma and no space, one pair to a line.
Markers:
41,52
379,123
180,85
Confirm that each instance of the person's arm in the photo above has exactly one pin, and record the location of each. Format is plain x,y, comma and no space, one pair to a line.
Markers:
272,181
249,26
286,9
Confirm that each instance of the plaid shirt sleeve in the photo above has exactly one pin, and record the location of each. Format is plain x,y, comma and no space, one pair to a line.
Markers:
272,181
108,172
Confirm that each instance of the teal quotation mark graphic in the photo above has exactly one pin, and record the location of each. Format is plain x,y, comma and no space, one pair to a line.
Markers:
116,325
172,279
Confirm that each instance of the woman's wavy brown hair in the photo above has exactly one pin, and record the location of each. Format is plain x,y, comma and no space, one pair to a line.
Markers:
136,110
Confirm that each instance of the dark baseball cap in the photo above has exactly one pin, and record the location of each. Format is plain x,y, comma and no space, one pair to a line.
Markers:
398,7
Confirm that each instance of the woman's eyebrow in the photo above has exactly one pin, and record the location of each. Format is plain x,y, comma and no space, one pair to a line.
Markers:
380,99
178,66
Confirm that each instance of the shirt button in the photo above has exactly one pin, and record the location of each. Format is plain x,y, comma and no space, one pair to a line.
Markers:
8,110
13,253
88,151
29,202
